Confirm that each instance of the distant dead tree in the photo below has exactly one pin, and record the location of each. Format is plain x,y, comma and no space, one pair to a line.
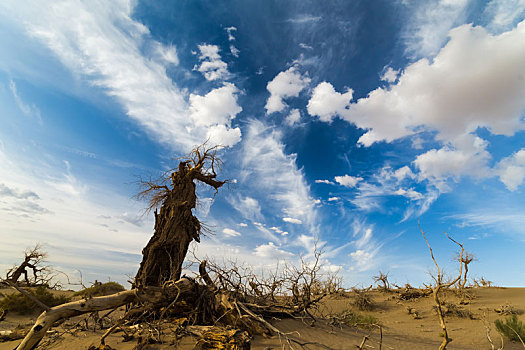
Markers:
441,285
175,224
466,260
383,279
32,269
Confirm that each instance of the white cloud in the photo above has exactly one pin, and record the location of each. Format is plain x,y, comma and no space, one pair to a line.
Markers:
231,233
166,54
333,199
305,46
469,154
504,13
387,182
108,49
347,180
242,224
410,193
270,250
212,66
230,31
473,82
285,84
293,221
328,182
278,230
363,259
262,157
223,135
28,110
305,18
326,103
389,74
293,118
234,51
219,106
403,173
511,170
426,29
215,111
247,206
72,227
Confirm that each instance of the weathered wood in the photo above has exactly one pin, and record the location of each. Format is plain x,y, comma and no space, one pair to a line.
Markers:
152,295
175,224
213,337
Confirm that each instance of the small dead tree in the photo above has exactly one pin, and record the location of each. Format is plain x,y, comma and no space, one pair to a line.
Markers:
32,269
441,285
383,279
175,224
467,259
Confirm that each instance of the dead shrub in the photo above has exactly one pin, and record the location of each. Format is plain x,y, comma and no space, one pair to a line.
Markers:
362,299
100,289
450,309
21,304
351,318
507,310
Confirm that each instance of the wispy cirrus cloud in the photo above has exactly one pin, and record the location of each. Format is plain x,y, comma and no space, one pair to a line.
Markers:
262,156
117,54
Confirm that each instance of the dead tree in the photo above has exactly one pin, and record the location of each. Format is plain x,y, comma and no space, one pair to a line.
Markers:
441,285
34,272
383,279
175,224
466,260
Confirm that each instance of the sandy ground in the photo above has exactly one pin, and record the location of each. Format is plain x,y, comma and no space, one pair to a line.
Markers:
400,329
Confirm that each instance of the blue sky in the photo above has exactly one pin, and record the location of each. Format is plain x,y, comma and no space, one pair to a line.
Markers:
346,123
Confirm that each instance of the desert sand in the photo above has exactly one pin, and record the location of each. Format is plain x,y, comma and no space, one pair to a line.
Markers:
418,329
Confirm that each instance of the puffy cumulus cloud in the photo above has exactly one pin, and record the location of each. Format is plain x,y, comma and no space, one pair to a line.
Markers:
219,106
426,30
285,84
262,156
270,250
347,180
511,170
223,135
475,81
215,111
468,157
230,232
293,221
212,66
334,199
326,103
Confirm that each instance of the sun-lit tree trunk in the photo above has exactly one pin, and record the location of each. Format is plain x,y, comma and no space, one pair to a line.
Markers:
175,224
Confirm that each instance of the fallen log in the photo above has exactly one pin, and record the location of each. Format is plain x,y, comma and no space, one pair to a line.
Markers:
152,295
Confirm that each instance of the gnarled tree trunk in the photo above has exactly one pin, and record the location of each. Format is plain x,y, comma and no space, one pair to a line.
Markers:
175,224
